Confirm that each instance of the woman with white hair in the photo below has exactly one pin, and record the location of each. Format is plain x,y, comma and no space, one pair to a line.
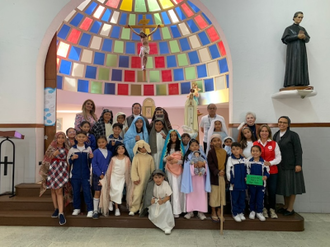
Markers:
250,119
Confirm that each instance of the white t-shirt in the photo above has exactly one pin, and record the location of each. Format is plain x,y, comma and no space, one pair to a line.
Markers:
206,123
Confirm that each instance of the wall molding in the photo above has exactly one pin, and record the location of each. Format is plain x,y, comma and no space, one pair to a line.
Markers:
293,125
21,126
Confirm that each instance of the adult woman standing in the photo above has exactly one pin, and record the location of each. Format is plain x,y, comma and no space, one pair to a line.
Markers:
290,175
271,153
250,122
87,114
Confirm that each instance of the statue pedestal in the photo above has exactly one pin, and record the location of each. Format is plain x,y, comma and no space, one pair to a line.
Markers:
295,92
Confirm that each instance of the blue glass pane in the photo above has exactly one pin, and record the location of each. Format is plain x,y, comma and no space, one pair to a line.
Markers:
99,58
193,57
91,8
207,19
193,26
134,36
184,44
214,51
107,45
63,32
171,61
84,41
106,15
180,13
227,78
178,74
175,32
156,35
59,82
166,20
96,27
115,32
185,87
65,67
76,20
123,19
130,48
109,88
204,39
148,17
209,85
201,71
75,53
116,75
82,86
163,48
90,72
223,65
123,61
193,6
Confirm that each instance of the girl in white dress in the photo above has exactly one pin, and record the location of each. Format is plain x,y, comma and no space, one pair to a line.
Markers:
247,139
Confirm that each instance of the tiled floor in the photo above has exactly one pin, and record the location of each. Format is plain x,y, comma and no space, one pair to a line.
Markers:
316,234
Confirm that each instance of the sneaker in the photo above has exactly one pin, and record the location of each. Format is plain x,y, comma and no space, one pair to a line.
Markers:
237,218
261,217
189,215
117,212
176,216
273,215
167,231
265,213
55,214
242,216
95,215
252,215
90,214
288,213
62,219
76,212
201,216
131,213
111,206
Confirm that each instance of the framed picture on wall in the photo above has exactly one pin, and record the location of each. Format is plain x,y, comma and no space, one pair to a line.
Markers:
148,111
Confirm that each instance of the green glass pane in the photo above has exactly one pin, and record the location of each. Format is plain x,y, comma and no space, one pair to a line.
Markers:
166,33
104,74
174,46
150,63
140,76
161,89
200,85
119,46
131,20
153,5
190,73
157,18
182,59
111,60
154,76
96,87
125,33
140,6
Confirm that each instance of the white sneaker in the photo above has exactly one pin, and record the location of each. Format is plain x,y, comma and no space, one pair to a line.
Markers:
252,215
111,206
201,216
76,212
273,215
176,216
131,213
90,214
242,216
261,217
265,213
167,231
237,218
117,212
189,215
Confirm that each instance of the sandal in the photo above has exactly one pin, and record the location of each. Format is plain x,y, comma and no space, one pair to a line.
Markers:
215,218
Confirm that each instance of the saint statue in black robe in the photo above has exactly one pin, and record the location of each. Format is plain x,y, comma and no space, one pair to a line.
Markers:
296,69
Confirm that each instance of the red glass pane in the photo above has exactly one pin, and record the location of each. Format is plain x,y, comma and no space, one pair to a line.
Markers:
160,62
122,89
173,88
187,10
86,23
74,36
129,76
201,22
112,3
167,75
136,63
212,34
177,1
148,90
222,49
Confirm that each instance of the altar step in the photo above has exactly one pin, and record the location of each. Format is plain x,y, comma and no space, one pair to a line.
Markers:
27,209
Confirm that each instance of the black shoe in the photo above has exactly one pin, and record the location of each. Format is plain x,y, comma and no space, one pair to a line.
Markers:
288,213
55,214
95,216
281,210
62,220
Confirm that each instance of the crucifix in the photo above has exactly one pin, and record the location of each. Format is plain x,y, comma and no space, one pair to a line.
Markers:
145,37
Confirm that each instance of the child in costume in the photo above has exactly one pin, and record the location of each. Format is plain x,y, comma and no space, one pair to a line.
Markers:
198,170
117,176
217,159
195,187
161,113
142,167
156,200
256,167
103,127
247,140
185,138
227,141
54,172
100,163
121,118
216,127
71,136
91,141
137,131
157,138
236,174
115,138
79,158
171,160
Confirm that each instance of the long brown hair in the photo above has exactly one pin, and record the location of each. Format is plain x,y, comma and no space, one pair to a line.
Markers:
92,112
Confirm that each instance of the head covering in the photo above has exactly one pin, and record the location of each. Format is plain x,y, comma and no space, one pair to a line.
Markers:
165,117
287,118
101,119
141,144
153,134
211,130
228,137
136,104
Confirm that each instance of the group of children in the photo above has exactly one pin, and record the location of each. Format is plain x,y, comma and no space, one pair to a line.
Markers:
169,177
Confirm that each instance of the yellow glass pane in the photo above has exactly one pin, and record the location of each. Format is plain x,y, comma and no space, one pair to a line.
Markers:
166,4
126,5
